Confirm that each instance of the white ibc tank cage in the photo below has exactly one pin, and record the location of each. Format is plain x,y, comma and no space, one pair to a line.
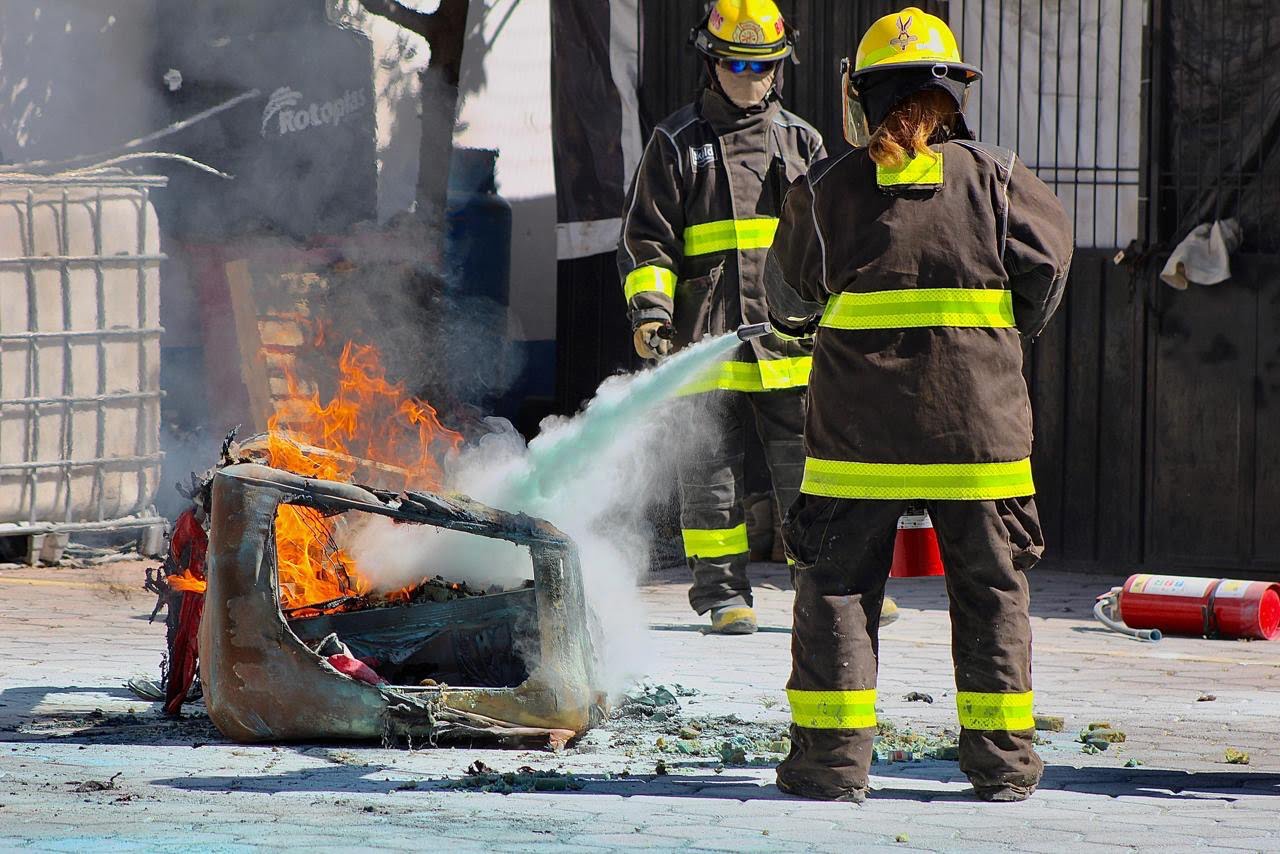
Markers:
79,355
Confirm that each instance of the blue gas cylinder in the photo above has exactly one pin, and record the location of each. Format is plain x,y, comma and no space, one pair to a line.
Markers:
478,245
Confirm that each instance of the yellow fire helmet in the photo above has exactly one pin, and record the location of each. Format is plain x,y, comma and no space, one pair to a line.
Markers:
911,38
744,29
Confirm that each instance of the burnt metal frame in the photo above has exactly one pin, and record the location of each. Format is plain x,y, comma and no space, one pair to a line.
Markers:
263,684
146,448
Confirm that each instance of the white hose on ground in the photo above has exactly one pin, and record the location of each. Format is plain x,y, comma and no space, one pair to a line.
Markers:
1110,601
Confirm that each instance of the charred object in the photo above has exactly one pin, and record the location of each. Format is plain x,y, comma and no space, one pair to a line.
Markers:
440,662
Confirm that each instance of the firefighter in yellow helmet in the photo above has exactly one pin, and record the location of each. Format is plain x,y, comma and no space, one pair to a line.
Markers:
921,259
698,222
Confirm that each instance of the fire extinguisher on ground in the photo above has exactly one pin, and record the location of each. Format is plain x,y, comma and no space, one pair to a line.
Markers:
1147,606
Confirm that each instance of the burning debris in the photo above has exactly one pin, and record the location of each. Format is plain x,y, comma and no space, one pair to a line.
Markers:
296,639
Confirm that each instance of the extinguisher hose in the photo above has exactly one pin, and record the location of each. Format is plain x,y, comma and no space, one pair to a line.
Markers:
1106,606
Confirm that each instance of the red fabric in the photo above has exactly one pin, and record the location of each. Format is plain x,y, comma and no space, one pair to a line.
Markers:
188,547
356,669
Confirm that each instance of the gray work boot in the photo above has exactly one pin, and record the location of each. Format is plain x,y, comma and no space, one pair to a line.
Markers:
1006,794
733,620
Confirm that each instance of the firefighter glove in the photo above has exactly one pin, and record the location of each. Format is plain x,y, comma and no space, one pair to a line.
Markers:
652,339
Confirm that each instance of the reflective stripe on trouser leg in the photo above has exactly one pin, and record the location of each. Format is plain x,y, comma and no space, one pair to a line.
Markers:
711,515
833,709
978,710
844,550
990,644
716,542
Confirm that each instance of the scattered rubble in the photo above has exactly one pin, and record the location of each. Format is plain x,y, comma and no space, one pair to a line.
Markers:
481,778
649,722
1050,723
917,697
1206,698
95,785
1099,736
1236,757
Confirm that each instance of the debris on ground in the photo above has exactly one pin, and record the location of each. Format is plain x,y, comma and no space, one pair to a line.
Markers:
1050,723
1100,735
1236,757
1206,698
648,701
901,744
1133,763
902,837
649,722
104,785
917,697
481,778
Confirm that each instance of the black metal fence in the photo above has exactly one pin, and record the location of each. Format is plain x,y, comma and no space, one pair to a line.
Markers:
1154,409
1214,133
1061,86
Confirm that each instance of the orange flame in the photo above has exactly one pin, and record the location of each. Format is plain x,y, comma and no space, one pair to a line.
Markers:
370,422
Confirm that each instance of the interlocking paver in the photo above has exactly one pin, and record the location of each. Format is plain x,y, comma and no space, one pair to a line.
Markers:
66,650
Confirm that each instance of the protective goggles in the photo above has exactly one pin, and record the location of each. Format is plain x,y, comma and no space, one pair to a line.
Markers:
740,66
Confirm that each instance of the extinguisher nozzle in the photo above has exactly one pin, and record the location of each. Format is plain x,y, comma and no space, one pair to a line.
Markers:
754,330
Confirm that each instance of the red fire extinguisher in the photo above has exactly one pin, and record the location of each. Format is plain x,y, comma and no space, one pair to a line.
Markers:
915,548
1149,605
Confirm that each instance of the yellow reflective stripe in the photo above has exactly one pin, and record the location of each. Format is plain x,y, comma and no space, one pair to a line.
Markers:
787,372
918,171
727,234
939,481
726,376
833,709
716,542
650,278
766,375
918,307
994,711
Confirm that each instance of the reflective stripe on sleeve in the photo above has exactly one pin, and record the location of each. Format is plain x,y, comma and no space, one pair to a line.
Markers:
715,542
726,234
938,481
833,709
650,278
920,171
995,711
918,307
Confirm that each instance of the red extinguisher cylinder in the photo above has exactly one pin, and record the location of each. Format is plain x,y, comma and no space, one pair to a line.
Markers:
1199,607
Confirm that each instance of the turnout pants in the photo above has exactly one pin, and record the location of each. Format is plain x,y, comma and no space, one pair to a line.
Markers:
711,488
843,550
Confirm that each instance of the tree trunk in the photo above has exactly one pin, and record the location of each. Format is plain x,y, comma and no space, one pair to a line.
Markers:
445,31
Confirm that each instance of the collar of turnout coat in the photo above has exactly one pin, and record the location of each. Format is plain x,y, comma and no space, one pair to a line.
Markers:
726,117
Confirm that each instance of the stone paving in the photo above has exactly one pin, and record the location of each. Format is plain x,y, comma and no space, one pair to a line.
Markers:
70,638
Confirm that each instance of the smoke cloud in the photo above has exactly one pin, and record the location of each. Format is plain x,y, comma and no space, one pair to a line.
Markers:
593,476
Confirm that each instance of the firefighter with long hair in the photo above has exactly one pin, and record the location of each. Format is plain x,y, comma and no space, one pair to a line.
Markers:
921,259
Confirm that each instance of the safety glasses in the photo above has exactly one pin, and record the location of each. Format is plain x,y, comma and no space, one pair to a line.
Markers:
740,66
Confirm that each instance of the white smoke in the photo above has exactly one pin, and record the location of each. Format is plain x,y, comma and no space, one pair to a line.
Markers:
593,476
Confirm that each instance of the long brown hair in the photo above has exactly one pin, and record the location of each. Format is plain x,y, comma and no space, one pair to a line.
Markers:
906,131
